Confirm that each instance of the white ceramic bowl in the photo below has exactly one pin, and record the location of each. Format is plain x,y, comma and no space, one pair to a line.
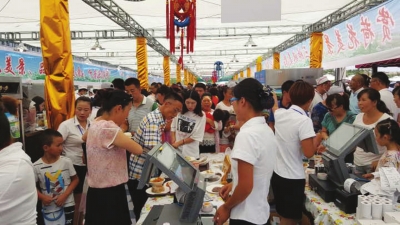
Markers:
207,207
322,176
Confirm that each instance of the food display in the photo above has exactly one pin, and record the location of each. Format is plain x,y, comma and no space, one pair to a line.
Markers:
157,189
157,181
216,189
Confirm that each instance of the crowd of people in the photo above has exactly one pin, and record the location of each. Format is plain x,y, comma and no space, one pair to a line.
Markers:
105,145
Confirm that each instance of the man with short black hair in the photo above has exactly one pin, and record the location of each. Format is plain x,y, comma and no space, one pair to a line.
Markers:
189,86
118,84
380,82
356,84
149,134
141,104
200,88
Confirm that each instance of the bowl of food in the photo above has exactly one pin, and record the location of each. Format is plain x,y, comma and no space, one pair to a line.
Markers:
190,158
207,173
207,207
156,181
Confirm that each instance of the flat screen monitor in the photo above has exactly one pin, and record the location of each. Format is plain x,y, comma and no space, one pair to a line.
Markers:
167,159
347,136
342,142
173,164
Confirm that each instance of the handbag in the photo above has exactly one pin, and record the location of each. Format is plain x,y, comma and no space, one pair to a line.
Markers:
55,216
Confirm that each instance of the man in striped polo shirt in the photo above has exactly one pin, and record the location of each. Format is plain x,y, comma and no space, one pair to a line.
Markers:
142,105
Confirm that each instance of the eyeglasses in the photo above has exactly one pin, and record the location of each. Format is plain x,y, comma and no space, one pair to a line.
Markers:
177,110
233,99
331,109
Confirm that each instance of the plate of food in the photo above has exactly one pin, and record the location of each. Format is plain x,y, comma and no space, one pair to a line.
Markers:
207,173
171,186
190,158
216,177
215,188
158,190
203,161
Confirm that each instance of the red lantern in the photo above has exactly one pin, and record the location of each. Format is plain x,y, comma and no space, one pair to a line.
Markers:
182,15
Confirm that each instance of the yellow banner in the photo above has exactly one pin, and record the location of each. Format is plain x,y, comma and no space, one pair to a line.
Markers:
55,40
259,64
167,71
248,72
316,48
191,78
141,56
241,74
185,77
277,64
178,73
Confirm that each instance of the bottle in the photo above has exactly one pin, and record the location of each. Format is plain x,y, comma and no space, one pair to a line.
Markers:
45,118
39,120
14,125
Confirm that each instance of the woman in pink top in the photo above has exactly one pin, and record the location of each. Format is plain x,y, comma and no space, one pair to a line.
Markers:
106,162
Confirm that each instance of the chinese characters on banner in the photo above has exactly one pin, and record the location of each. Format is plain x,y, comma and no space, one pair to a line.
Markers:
368,37
30,66
297,56
269,63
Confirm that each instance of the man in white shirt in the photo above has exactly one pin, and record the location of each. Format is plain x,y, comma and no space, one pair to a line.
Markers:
380,82
356,84
323,85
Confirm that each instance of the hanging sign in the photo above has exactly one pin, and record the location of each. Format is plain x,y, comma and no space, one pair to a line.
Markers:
369,37
269,63
30,66
297,56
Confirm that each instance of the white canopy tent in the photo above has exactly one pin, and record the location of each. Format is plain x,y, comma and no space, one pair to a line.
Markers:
23,16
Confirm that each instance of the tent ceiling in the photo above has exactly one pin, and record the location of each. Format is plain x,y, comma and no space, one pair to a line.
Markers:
23,16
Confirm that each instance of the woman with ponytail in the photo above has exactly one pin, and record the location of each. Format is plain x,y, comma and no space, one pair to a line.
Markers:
373,110
253,157
106,162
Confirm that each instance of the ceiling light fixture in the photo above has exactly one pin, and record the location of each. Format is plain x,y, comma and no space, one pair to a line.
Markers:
234,60
250,43
21,48
97,46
